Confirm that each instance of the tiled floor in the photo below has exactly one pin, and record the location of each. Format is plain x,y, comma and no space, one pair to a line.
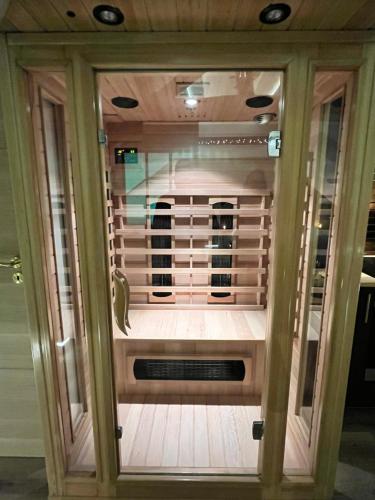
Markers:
24,479
355,478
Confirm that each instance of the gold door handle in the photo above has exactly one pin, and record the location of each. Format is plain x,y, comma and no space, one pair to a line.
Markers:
14,263
121,302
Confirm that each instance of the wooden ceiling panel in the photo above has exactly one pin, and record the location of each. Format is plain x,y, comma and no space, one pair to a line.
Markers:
222,16
192,15
247,18
364,18
188,15
45,14
224,100
21,18
82,20
162,15
136,15
309,15
335,17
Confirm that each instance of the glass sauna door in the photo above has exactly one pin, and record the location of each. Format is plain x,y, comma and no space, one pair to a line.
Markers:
325,174
62,267
190,195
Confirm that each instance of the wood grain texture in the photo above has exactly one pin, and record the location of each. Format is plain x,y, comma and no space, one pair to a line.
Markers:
190,15
210,434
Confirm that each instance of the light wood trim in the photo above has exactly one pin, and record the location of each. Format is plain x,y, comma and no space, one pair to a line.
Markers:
190,251
193,270
92,209
141,233
351,234
154,190
191,38
196,289
242,307
287,229
132,211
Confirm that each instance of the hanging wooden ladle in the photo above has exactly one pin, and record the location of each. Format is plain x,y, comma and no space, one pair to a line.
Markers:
121,302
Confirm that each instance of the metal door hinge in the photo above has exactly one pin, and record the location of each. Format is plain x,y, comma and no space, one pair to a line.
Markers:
258,429
118,432
102,137
274,143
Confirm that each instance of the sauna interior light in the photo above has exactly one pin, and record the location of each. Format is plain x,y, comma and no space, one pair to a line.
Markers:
124,102
275,13
107,14
191,102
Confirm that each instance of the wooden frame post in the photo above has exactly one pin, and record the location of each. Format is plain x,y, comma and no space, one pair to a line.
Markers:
290,181
359,168
89,178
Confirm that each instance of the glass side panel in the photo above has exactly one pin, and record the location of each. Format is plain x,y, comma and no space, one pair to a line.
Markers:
63,279
330,115
190,197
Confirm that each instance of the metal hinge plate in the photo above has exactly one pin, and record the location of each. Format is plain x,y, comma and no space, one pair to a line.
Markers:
118,432
258,429
102,137
274,144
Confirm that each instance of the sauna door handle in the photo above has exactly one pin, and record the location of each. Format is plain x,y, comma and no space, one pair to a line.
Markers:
121,302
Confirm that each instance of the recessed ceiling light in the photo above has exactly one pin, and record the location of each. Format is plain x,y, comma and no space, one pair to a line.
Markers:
264,118
124,102
275,13
107,14
191,102
70,13
259,101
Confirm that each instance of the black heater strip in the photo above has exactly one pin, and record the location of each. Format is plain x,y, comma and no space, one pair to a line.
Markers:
222,222
161,222
189,369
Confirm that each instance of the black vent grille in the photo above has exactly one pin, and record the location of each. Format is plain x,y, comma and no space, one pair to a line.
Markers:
189,369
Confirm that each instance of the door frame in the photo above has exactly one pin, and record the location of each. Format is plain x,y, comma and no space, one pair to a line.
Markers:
298,54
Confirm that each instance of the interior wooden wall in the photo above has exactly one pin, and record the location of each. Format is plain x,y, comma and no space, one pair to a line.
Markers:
190,177
20,424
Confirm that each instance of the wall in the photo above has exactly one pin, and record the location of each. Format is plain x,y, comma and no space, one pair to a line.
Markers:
20,424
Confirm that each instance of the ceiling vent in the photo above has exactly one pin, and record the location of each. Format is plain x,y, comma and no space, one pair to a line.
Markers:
264,118
191,89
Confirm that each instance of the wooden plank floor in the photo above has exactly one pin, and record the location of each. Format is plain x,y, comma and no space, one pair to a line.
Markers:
187,433
196,324
190,434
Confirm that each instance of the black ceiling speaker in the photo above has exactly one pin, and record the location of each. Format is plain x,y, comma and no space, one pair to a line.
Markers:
260,101
124,102
275,13
107,14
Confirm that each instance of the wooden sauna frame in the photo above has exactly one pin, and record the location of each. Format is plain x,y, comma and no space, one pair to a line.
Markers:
296,53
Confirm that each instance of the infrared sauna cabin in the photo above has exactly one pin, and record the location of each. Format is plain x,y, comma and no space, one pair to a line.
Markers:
191,211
